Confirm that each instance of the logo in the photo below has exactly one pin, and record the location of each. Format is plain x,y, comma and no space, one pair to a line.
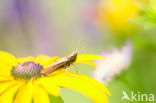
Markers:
138,97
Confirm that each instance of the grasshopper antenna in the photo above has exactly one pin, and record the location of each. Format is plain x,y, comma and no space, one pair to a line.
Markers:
78,49
78,46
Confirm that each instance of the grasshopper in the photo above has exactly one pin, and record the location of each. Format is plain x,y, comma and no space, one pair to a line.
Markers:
63,63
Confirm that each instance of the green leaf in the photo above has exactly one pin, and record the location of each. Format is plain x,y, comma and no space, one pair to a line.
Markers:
54,99
142,7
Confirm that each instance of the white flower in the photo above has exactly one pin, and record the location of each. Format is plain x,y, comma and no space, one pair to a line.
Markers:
114,64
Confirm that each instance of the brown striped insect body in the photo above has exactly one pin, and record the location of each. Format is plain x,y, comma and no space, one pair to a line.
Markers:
63,63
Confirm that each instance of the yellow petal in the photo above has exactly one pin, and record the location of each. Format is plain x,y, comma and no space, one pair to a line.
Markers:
7,59
4,86
87,59
28,59
5,78
8,96
85,85
40,96
4,69
89,63
42,58
24,94
100,86
49,86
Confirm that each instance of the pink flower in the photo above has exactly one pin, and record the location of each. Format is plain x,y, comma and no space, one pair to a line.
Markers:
115,63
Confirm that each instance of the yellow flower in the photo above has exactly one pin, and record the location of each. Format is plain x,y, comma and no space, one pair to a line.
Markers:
117,13
154,5
21,82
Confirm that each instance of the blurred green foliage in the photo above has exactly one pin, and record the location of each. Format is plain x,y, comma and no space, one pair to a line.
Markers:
147,17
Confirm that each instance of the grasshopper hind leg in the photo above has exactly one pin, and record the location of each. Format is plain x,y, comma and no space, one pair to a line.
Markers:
66,70
76,69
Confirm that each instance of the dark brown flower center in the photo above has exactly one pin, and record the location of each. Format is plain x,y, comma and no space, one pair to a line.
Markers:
27,70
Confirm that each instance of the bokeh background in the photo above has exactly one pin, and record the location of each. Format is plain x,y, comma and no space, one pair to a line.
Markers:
55,27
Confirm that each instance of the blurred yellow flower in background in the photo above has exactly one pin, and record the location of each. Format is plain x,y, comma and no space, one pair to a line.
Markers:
153,5
116,14
15,88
